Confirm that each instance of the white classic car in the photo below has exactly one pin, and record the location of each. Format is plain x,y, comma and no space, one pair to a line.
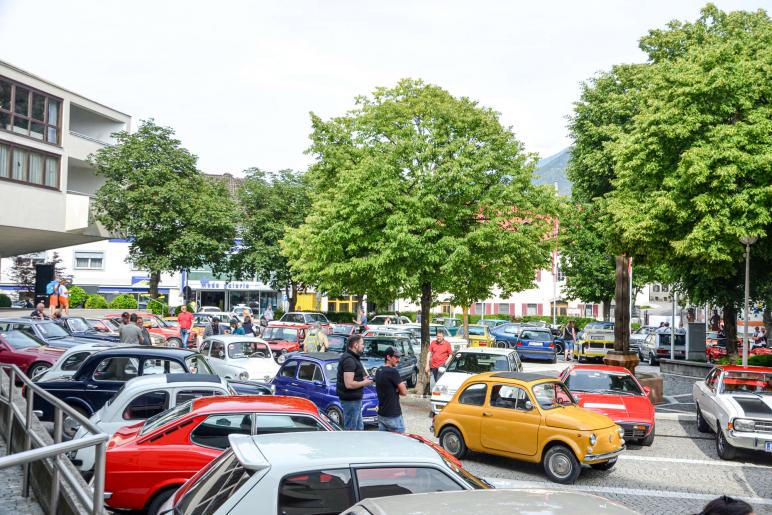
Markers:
456,343
66,366
235,356
468,362
736,403
143,397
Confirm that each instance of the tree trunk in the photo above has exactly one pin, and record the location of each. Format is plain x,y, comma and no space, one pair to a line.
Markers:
465,319
155,279
622,308
767,318
730,331
292,297
606,309
422,388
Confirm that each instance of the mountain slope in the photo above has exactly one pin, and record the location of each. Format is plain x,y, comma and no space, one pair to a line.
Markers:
552,169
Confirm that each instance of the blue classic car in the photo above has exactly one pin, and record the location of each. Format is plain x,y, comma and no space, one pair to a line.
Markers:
80,328
531,342
53,334
374,356
314,376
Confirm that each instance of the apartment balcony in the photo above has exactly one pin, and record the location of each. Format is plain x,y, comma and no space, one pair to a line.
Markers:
89,132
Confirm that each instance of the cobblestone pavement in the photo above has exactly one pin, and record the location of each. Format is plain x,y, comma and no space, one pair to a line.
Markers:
679,474
11,501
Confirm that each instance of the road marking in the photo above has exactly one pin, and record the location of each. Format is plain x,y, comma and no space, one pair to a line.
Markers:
639,492
739,464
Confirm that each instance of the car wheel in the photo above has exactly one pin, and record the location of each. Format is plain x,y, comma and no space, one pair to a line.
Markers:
652,360
558,348
723,448
412,380
335,414
607,465
647,440
452,441
70,426
36,369
501,345
561,466
174,343
702,424
554,358
155,505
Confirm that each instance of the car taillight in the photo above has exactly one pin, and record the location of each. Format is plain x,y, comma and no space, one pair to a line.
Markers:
519,343
552,345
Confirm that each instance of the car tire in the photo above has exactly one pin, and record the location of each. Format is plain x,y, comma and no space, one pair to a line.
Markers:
702,424
606,465
502,345
158,500
648,440
413,379
335,414
558,348
652,360
452,441
37,368
174,343
561,466
723,447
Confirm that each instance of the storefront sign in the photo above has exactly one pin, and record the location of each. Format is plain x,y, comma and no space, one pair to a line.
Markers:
206,284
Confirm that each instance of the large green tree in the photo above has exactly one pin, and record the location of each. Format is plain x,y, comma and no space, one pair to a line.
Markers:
694,166
155,196
416,191
270,204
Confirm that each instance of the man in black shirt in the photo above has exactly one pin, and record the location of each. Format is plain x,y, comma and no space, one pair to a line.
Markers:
389,385
352,380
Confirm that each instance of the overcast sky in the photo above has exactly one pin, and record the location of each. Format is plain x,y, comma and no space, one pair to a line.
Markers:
237,80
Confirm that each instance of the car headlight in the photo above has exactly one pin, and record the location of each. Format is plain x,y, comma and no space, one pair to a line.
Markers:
281,358
621,432
244,376
593,439
440,389
744,424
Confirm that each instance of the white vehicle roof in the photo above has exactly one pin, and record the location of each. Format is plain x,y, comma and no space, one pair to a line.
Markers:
173,380
329,449
486,350
228,338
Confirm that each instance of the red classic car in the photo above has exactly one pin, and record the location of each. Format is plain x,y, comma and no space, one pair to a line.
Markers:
155,325
616,393
147,462
718,350
284,337
28,353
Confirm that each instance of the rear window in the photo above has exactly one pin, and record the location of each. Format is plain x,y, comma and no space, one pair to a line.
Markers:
539,336
165,417
19,340
316,492
224,477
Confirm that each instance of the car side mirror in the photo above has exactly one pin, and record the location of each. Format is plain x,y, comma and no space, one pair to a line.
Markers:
647,390
442,370
319,383
528,405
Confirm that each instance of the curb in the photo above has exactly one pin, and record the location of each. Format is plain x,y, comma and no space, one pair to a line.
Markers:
683,417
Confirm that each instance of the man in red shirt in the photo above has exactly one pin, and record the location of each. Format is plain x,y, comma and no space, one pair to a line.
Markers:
185,319
439,352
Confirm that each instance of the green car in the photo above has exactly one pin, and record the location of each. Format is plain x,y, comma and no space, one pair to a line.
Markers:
451,324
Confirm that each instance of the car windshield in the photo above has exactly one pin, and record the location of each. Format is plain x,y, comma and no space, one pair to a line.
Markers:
552,395
336,342
539,336
165,417
376,347
197,364
248,349
747,382
280,333
19,340
470,479
476,330
78,325
478,363
601,381
342,329
664,339
315,317
158,322
52,330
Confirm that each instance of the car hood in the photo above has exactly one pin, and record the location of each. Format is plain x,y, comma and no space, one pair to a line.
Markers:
165,331
750,406
262,369
452,380
43,352
617,407
576,418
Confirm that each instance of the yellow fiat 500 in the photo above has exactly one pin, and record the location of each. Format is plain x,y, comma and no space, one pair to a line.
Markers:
528,417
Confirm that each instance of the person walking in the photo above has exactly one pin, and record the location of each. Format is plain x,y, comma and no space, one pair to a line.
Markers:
40,312
362,319
235,328
64,297
569,340
145,333
439,352
52,289
129,332
390,387
268,313
715,321
352,380
185,319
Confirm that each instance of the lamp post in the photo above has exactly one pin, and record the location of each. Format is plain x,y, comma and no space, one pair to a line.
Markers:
747,241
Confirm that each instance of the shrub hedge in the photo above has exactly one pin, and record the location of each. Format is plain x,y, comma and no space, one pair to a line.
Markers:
78,297
125,301
5,301
96,302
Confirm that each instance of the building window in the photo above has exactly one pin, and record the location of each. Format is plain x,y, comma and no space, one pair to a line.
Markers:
22,164
502,309
588,311
664,289
479,308
533,309
29,112
89,260
655,288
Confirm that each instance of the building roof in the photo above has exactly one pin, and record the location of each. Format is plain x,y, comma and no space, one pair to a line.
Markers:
240,403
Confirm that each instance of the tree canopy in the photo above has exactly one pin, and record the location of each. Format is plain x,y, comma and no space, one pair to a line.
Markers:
155,196
420,192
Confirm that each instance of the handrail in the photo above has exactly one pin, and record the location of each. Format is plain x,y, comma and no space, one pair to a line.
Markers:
93,500
91,138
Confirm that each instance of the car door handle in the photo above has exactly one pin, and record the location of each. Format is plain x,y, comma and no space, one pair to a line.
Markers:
92,386
487,414
294,384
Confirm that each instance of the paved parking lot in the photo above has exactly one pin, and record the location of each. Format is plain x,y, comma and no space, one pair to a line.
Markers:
679,474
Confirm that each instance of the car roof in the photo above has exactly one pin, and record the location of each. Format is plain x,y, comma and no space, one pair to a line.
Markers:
320,356
518,376
604,368
225,338
26,320
175,380
330,448
146,350
485,350
740,368
95,345
288,325
236,403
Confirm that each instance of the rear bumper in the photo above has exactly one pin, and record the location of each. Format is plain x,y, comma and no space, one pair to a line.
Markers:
536,354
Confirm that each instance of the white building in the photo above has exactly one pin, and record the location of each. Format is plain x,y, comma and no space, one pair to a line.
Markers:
46,135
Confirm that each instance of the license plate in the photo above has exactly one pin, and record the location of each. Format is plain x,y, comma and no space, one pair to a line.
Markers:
536,344
768,446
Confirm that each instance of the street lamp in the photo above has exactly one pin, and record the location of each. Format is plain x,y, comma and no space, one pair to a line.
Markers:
747,241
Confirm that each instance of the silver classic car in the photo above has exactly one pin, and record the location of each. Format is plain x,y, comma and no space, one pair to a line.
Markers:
736,403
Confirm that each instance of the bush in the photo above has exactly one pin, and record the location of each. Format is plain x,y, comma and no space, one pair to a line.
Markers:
78,297
96,302
157,307
125,301
278,313
5,301
760,360
177,309
341,317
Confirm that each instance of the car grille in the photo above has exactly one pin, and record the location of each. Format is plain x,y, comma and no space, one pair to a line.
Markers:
632,432
763,426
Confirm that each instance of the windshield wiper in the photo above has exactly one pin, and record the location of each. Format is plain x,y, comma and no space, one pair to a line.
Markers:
619,392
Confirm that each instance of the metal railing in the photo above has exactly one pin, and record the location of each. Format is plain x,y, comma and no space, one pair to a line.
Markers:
52,454
92,138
